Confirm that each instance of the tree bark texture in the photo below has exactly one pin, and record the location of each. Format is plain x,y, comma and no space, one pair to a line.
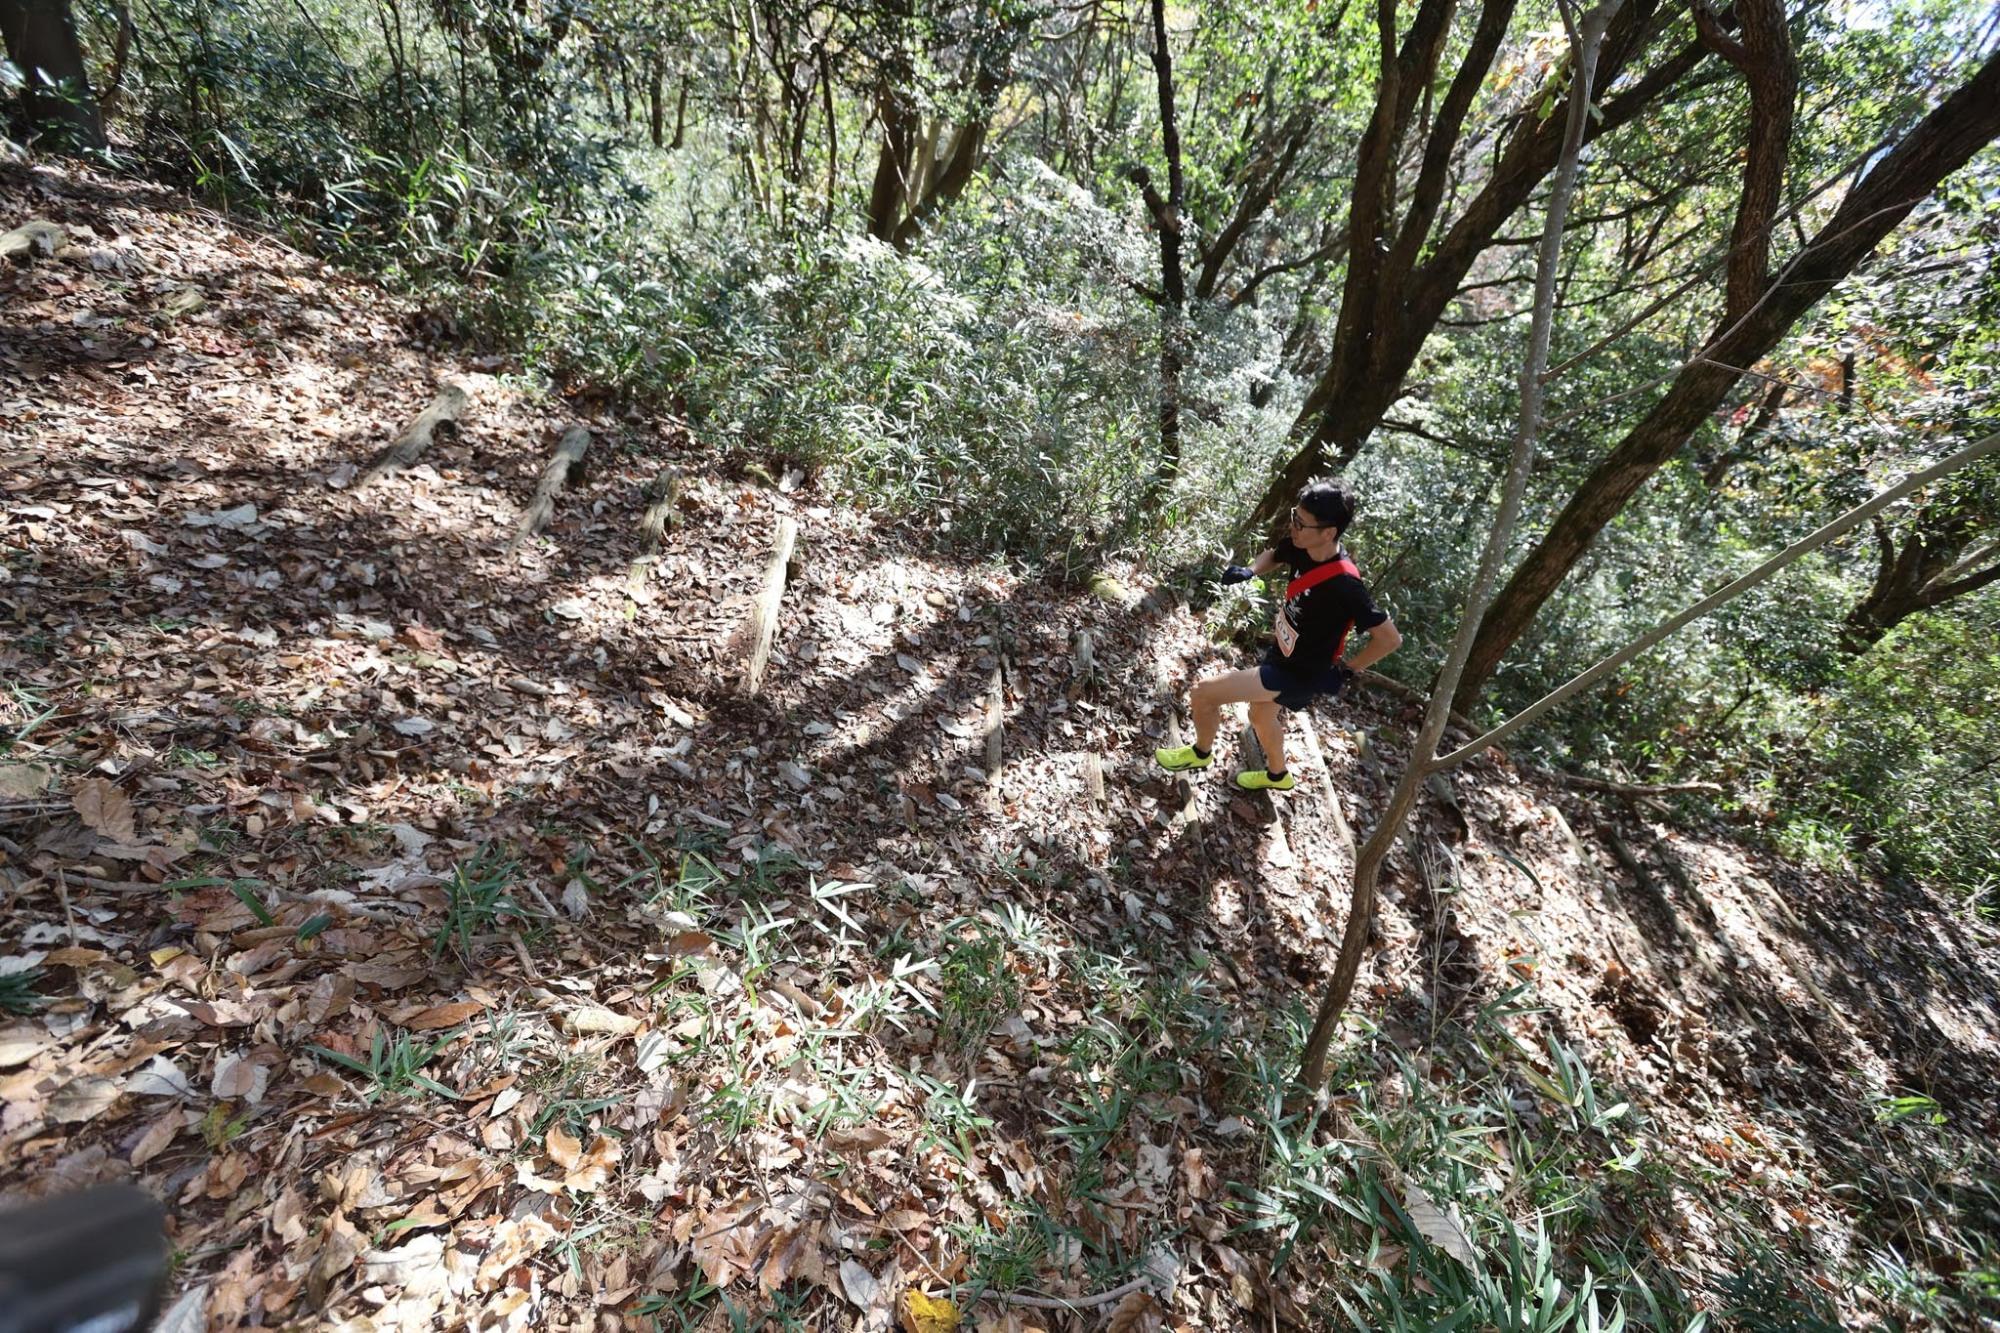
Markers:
1173,277
41,38
1853,518
1936,560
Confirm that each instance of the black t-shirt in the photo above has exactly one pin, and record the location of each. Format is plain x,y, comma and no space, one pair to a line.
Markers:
1324,611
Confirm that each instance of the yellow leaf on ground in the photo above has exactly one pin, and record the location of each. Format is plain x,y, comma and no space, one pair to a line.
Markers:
1139,1312
442,1016
591,1019
927,1314
594,1167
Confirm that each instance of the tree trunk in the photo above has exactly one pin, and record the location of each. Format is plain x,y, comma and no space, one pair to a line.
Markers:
892,165
1932,566
121,53
944,178
656,99
1848,521
1173,278
1587,41
41,39
1402,276
1902,178
1771,72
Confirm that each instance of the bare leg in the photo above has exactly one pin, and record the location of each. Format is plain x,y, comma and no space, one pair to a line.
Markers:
1270,729
1205,701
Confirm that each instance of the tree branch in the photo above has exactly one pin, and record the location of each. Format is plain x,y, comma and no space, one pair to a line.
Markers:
1804,546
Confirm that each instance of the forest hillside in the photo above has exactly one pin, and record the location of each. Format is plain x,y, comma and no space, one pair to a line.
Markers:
428,915
648,659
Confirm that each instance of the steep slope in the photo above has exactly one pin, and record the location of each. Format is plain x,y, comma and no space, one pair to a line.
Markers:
433,921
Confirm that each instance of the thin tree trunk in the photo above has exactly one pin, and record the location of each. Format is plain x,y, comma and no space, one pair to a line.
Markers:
1173,279
1931,567
121,52
656,105
832,137
892,165
1587,39
1401,277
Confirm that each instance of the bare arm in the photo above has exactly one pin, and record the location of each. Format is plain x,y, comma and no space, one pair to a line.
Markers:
1265,562
1384,639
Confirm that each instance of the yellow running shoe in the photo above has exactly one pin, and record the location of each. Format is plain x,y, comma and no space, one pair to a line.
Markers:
1181,758
1258,779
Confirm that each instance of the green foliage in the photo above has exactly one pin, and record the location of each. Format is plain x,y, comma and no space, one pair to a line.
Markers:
477,898
394,1067
979,987
19,993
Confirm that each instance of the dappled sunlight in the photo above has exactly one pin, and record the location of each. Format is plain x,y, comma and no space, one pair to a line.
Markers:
583,755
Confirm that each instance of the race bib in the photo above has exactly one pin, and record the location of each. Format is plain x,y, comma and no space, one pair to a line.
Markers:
1287,635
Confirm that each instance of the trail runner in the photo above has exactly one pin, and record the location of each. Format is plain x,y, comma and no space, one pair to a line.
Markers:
1325,602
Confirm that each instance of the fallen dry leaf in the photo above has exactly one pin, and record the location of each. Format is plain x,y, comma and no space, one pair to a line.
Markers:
104,809
1139,1312
564,1148
1439,1226
441,1016
237,1079
591,1020
331,993
594,1167
23,780
157,1136
84,1099
858,1284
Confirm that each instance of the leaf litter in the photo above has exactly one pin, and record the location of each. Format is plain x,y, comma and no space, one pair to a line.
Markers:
443,937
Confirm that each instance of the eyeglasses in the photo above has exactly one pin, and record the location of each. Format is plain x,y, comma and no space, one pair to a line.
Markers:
1299,520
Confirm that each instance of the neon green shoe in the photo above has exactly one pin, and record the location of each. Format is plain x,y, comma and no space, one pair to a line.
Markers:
1259,779
1181,758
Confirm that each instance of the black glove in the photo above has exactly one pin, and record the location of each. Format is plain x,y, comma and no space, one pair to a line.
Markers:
1345,675
1238,574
